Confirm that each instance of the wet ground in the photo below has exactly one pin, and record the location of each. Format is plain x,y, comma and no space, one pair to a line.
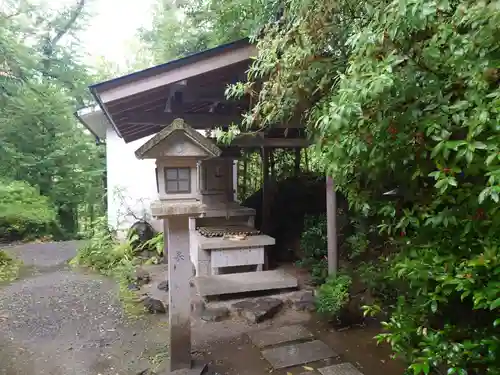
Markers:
56,320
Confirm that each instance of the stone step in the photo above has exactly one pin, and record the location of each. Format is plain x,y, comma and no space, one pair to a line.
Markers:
298,354
280,335
340,369
244,282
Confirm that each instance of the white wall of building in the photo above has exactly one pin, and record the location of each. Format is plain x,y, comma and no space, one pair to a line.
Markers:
131,184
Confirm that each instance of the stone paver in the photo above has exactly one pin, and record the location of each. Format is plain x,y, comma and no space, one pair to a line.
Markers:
297,354
341,369
279,335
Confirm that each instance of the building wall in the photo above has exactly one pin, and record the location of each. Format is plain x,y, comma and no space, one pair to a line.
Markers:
131,184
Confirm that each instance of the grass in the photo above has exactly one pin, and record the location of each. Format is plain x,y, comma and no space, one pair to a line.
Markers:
9,267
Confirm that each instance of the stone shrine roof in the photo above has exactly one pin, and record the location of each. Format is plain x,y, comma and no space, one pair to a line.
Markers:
176,127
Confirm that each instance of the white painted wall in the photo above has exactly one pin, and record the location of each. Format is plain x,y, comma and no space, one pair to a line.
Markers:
131,183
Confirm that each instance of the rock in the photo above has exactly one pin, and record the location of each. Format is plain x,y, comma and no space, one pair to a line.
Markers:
163,285
154,306
303,301
133,286
258,310
142,276
198,306
215,314
143,232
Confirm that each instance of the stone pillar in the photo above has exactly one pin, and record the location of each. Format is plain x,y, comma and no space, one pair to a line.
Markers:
179,274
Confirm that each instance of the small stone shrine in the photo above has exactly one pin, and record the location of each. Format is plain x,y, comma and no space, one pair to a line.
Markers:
204,227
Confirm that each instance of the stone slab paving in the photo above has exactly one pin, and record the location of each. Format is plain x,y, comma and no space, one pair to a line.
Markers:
297,354
341,369
279,335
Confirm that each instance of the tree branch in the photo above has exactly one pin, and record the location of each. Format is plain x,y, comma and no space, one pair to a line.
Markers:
74,16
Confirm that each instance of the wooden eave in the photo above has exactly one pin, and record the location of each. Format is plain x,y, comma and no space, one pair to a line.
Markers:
193,88
142,103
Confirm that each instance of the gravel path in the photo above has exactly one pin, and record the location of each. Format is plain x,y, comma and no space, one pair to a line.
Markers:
58,321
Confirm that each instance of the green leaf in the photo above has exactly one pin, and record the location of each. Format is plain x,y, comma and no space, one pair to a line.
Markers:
495,304
434,306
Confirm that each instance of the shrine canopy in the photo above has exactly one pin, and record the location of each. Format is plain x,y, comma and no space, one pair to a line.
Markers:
142,103
192,88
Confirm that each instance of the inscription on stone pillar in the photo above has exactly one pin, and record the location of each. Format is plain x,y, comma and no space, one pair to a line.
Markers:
179,275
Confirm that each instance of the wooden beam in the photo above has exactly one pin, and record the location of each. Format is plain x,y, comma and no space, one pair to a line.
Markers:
158,92
195,120
201,120
331,220
130,131
258,141
183,72
135,106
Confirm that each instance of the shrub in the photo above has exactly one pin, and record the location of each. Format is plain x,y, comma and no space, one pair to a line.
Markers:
24,213
9,267
418,108
105,254
333,295
313,243
108,256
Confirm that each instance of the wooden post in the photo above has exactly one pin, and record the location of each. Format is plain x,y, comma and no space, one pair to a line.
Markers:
245,173
180,270
265,197
271,164
306,157
331,222
297,161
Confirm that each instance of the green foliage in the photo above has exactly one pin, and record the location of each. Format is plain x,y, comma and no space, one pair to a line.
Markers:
333,295
358,243
103,253
108,256
155,244
313,243
419,83
405,94
23,211
42,83
9,267
180,29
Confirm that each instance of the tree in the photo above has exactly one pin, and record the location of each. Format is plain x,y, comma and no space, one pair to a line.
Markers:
44,82
183,28
405,94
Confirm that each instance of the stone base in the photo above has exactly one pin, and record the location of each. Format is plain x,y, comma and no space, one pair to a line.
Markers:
244,282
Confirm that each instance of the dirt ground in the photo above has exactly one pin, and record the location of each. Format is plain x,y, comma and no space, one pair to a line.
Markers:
55,320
